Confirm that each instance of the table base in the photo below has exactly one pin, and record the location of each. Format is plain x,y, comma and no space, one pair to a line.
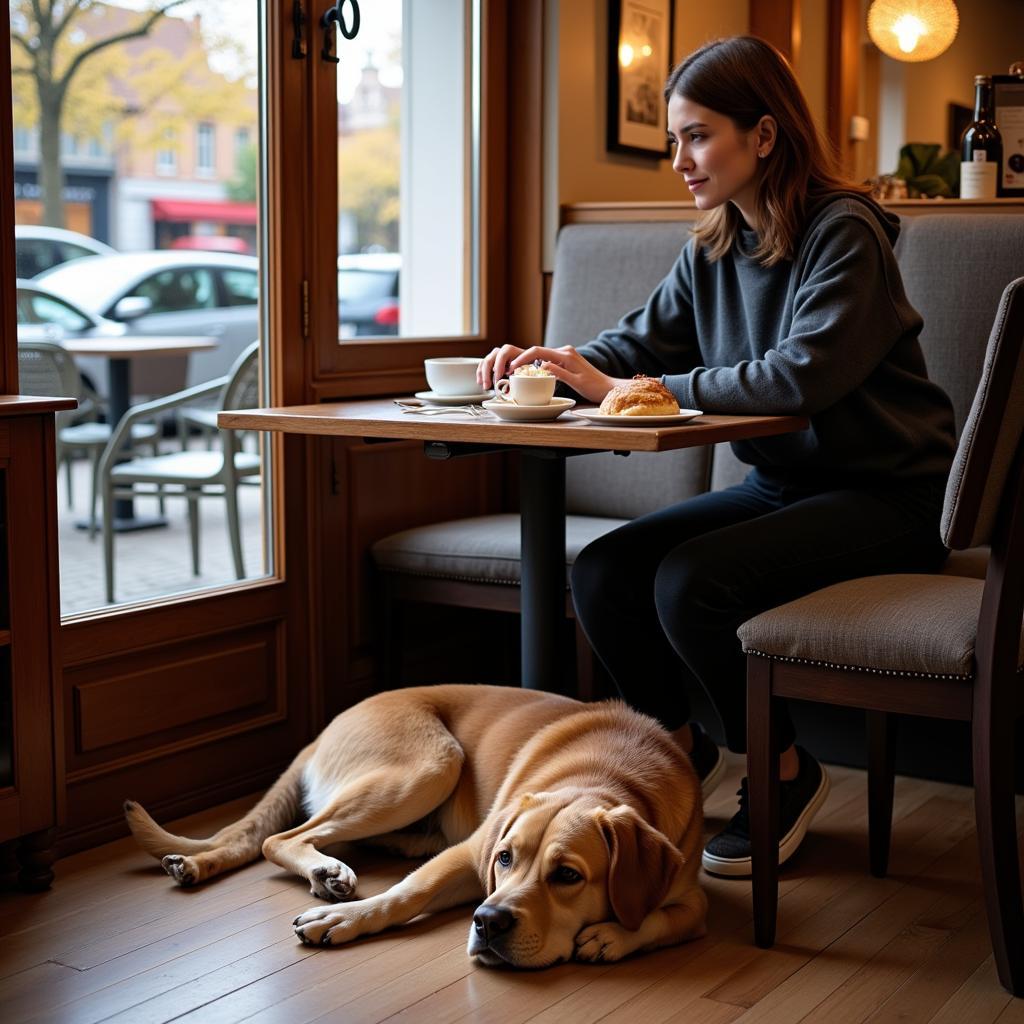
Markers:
128,525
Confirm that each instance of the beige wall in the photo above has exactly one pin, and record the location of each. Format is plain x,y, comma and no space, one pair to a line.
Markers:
812,54
586,171
990,38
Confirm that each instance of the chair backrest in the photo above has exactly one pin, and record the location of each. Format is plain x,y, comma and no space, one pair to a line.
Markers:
601,272
993,432
242,390
46,368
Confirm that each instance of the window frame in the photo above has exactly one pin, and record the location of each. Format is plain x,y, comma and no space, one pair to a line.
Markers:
367,366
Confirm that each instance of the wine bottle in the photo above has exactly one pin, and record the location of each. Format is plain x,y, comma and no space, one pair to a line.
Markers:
981,147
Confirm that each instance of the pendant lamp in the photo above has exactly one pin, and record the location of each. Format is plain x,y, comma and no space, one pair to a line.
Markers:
913,30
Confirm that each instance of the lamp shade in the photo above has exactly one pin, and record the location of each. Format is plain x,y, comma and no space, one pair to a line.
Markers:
913,30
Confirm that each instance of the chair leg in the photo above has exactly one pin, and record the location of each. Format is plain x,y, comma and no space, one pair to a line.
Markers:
94,460
67,475
881,728
159,487
763,783
996,818
193,527
108,539
234,528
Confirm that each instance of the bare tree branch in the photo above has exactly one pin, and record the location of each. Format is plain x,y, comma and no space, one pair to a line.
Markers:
102,44
23,43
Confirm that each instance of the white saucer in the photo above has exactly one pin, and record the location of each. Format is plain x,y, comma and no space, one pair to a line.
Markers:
528,413
429,396
674,420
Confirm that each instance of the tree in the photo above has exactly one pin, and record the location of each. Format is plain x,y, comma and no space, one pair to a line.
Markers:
51,55
242,188
368,186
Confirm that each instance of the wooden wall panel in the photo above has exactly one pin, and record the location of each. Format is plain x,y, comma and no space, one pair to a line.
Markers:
147,696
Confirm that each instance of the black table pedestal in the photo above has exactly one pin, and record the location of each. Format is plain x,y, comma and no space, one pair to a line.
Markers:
542,564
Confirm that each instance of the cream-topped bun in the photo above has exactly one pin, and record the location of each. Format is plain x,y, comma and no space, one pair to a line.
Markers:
642,396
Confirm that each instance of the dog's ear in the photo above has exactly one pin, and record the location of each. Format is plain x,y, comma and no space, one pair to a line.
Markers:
496,829
642,864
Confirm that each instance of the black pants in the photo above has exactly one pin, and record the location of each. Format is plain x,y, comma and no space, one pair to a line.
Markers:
660,599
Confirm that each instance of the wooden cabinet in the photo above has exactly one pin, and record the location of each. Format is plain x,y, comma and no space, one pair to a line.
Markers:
30,765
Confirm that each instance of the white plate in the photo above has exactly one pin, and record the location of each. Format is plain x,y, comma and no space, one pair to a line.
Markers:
528,413
673,420
429,396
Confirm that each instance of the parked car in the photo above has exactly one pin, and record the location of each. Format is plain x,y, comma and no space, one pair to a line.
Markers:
368,293
46,316
37,248
211,243
171,293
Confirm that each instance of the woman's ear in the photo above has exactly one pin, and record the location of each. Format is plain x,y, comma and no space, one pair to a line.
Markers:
766,133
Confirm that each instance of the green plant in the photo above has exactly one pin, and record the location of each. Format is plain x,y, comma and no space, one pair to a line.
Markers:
928,174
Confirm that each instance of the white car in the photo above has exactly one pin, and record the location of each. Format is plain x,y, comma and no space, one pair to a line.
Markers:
163,292
38,248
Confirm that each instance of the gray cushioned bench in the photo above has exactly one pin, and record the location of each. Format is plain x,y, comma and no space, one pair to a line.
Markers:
954,266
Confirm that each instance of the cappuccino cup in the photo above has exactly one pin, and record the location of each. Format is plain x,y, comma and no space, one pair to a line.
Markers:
526,390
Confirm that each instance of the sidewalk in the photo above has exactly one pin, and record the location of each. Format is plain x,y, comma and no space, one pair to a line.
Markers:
152,563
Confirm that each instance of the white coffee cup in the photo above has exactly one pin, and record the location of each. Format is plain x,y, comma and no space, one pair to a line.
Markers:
525,390
452,375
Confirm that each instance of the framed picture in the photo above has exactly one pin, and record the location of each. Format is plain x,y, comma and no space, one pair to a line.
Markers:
639,60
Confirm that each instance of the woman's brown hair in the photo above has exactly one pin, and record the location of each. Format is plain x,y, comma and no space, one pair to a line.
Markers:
746,78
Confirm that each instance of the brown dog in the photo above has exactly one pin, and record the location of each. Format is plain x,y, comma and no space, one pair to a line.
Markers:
579,825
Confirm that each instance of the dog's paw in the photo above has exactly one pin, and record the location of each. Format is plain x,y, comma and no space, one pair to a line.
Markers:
334,883
603,942
181,869
326,926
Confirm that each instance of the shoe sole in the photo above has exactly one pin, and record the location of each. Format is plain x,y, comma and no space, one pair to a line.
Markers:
741,867
710,781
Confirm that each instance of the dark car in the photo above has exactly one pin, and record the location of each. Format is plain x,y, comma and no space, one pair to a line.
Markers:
368,294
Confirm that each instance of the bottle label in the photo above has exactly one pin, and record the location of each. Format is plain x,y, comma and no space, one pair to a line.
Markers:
979,156
977,179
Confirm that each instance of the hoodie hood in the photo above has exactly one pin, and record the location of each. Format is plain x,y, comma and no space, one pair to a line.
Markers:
819,207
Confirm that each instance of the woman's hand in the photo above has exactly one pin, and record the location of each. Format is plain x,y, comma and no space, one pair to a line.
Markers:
565,363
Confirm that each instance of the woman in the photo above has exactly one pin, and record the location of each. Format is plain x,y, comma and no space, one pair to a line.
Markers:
786,300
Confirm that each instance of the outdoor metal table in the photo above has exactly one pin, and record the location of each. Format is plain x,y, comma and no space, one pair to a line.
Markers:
543,449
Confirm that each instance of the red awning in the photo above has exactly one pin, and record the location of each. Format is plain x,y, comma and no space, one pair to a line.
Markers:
194,209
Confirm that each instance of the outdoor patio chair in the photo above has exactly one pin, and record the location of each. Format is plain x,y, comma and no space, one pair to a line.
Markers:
940,646
46,368
189,474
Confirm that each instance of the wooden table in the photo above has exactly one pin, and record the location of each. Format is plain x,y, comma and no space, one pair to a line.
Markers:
543,449
119,353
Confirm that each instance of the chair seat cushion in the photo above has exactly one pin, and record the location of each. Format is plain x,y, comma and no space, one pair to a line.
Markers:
483,549
905,624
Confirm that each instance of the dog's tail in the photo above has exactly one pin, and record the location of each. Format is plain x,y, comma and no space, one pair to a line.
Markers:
279,808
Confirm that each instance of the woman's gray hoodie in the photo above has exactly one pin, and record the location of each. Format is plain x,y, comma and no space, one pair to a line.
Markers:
829,335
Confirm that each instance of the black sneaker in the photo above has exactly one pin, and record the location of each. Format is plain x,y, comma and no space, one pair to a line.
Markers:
800,799
708,761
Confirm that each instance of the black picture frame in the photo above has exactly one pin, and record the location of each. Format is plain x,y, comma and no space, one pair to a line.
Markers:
636,108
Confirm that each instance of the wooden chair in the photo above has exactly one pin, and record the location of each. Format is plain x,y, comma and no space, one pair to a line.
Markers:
939,646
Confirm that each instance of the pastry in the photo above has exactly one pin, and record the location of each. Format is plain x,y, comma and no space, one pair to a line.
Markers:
641,396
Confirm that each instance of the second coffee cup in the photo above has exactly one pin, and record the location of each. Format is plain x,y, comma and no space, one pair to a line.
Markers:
525,390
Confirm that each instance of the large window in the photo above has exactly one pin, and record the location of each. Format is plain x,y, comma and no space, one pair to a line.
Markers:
408,171
141,246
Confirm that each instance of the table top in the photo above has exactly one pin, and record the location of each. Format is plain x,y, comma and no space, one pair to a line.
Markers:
17,405
132,346
381,418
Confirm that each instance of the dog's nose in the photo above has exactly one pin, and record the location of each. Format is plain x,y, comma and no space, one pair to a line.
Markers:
490,922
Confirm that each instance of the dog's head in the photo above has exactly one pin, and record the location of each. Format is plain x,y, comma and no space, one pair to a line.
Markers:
556,862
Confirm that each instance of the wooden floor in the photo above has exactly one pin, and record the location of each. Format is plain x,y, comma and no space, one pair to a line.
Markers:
115,941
